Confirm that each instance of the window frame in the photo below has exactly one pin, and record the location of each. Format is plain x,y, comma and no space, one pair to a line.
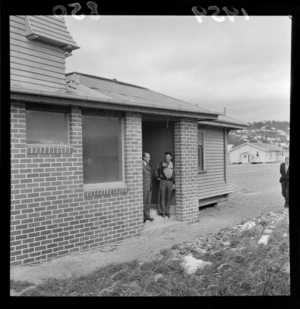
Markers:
203,170
51,109
113,184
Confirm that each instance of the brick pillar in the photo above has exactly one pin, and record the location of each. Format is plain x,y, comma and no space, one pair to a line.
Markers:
186,169
133,169
19,183
75,129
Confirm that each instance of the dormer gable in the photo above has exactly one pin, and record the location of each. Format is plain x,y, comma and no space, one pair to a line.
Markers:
39,46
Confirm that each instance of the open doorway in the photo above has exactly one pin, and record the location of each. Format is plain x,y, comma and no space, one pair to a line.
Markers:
158,137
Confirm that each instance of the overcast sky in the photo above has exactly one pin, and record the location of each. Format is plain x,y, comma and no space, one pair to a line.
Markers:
242,65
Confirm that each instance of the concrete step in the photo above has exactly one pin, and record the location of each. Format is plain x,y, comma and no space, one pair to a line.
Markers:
159,224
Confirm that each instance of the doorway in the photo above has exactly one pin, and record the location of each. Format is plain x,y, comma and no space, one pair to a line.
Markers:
245,158
158,137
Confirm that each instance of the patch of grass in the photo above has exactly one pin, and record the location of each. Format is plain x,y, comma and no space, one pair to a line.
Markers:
245,268
18,286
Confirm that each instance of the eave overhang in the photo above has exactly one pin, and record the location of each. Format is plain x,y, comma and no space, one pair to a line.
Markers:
66,99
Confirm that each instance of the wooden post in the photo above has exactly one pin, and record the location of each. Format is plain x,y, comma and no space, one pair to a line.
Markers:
225,154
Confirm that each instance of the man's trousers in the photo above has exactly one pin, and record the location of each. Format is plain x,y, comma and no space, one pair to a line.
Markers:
147,202
165,194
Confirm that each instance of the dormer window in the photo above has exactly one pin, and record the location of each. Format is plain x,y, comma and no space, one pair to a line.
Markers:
37,28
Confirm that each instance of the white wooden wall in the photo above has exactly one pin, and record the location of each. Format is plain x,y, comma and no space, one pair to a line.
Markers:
235,154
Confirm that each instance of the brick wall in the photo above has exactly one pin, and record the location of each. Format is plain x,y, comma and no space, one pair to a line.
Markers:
186,169
51,213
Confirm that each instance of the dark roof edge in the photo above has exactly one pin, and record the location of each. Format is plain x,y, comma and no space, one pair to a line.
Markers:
88,102
216,123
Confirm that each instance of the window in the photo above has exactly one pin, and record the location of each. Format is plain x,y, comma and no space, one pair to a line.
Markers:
46,127
102,148
201,150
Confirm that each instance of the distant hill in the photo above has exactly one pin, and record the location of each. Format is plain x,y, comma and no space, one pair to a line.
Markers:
275,132
278,125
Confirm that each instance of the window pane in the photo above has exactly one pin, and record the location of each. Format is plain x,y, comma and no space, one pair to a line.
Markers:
200,150
200,157
102,149
200,138
43,127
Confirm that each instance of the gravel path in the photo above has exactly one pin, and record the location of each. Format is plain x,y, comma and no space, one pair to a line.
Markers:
257,192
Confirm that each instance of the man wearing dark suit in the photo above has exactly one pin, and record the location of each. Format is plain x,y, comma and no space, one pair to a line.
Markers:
284,180
147,186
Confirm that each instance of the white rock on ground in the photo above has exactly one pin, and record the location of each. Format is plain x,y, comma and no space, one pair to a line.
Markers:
268,231
286,267
264,240
200,251
158,276
248,225
191,265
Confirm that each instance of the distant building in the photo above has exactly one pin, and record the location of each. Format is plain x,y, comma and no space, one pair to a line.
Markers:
229,147
256,153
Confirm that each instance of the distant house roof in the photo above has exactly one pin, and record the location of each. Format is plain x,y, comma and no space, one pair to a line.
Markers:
262,146
267,146
125,94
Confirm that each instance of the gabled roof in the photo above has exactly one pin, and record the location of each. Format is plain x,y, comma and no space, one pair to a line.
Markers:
114,91
268,147
262,146
225,121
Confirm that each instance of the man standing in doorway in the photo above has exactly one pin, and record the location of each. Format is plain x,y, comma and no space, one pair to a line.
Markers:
165,174
284,180
147,186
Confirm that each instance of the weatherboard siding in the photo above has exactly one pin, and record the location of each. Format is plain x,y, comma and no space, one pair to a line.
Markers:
213,182
34,65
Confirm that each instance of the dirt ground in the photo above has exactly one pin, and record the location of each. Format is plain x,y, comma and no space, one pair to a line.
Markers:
257,191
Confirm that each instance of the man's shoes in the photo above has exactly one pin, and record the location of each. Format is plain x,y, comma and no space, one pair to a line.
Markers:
168,215
149,219
163,215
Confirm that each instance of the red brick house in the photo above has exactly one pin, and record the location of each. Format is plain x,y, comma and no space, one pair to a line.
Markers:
77,143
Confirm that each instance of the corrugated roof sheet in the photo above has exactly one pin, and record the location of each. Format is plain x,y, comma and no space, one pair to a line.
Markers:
224,121
81,84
